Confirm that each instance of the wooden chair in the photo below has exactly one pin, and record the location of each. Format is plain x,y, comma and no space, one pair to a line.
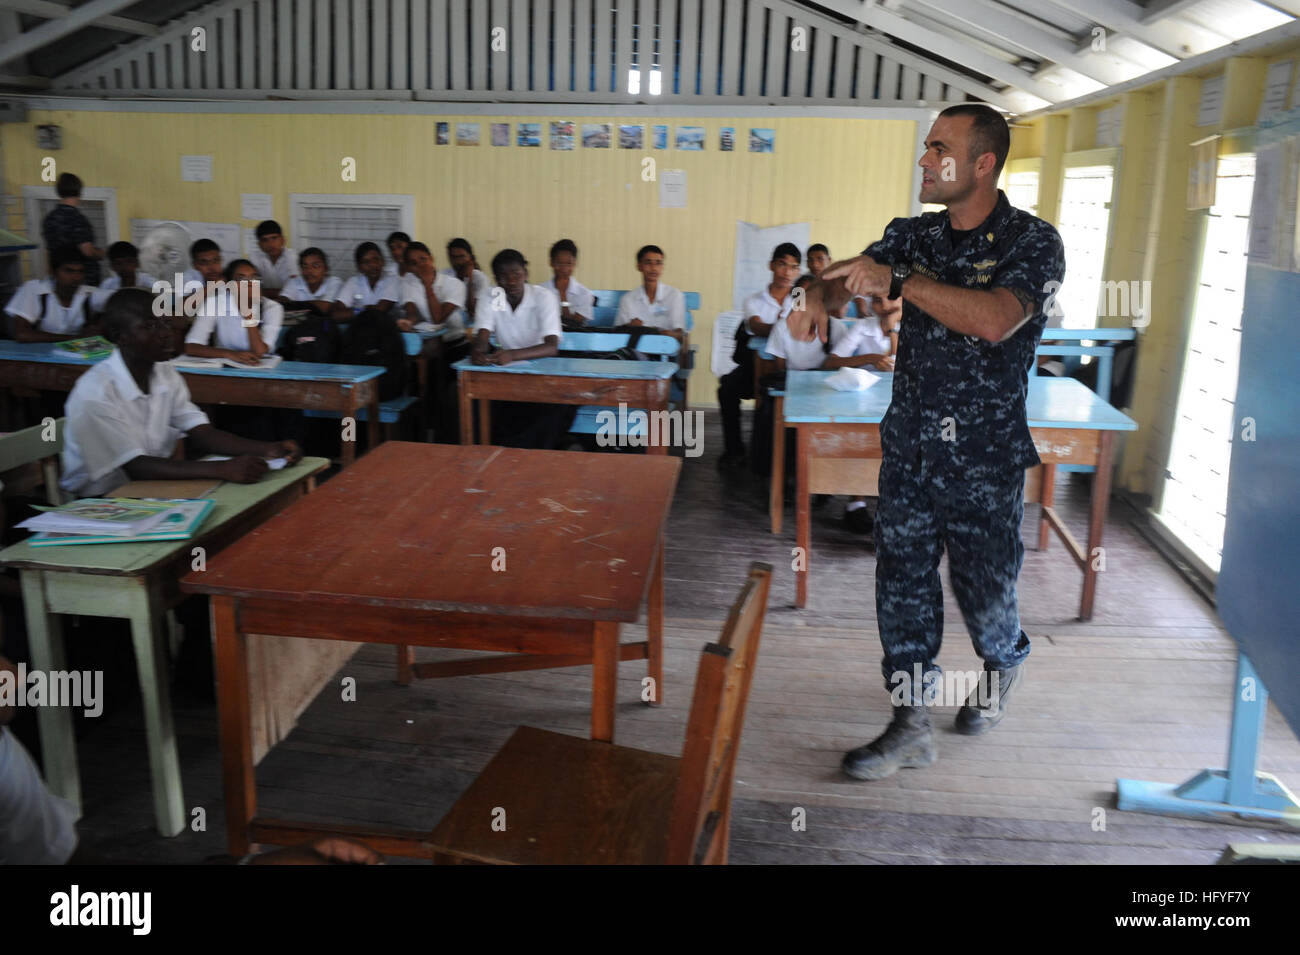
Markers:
565,800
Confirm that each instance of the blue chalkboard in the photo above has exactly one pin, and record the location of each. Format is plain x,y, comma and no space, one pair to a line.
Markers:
1259,581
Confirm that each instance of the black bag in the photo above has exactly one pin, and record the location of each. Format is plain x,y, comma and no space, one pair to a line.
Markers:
316,339
373,338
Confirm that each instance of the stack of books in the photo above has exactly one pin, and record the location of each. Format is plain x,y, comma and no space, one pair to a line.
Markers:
116,521
264,363
91,349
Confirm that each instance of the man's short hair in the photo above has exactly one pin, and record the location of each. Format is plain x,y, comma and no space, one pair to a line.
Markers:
314,251
989,132
65,255
122,250
268,227
506,258
123,307
364,248
818,247
396,237
201,246
645,250
787,248
566,245
228,273
415,247
459,243
68,185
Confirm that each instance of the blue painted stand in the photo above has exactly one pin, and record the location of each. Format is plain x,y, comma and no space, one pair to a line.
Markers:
1239,790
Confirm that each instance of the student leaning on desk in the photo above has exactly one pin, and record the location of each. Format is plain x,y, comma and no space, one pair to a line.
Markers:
126,413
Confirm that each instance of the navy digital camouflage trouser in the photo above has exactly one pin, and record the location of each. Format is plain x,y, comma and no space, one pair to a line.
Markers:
919,514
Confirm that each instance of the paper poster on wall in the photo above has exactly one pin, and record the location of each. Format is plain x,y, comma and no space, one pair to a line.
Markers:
724,342
255,205
752,270
500,134
196,169
762,140
529,134
690,137
596,135
562,136
1211,105
672,189
1262,246
1202,173
1277,83
660,137
467,134
631,137
226,235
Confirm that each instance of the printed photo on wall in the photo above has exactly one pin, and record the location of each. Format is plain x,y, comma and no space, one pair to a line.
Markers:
631,137
467,134
762,140
727,139
690,137
500,134
661,137
443,135
595,135
562,135
529,134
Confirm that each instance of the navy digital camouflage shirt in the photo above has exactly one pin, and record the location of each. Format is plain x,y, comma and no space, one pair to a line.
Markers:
941,374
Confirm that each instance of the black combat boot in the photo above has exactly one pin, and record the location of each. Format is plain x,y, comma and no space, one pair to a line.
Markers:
907,743
975,717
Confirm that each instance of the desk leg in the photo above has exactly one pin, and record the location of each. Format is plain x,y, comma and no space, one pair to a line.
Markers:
373,434
1096,521
776,486
803,518
655,629
147,618
604,680
1046,494
422,388
238,781
58,742
405,661
466,412
348,449
484,421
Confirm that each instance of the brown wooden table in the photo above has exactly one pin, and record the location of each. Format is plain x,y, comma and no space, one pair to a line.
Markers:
401,549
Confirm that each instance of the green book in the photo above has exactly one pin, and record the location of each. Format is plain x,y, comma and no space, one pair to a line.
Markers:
91,349
184,517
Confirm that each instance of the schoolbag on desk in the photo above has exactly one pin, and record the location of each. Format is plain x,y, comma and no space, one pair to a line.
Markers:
316,339
373,338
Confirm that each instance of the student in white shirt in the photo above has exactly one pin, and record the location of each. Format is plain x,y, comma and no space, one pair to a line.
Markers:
653,303
427,295
313,286
369,288
576,300
464,268
205,262
58,308
236,321
124,258
397,243
126,413
275,263
761,312
525,320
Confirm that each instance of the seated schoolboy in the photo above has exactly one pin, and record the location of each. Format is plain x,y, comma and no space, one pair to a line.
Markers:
124,259
205,262
369,288
126,413
427,294
761,312
397,243
576,300
275,263
58,308
313,287
653,304
526,322
464,268
236,321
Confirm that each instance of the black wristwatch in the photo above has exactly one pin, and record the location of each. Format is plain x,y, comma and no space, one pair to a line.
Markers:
901,271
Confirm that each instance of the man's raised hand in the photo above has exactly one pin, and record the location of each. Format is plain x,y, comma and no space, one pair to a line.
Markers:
862,275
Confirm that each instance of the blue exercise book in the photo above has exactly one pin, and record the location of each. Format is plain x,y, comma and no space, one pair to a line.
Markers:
185,519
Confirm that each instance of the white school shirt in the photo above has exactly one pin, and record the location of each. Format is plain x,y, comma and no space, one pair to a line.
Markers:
768,309
581,299
99,298
58,319
447,288
482,286
865,337
537,317
296,290
357,292
803,356
36,826
219,323
278,274
668,310
110,422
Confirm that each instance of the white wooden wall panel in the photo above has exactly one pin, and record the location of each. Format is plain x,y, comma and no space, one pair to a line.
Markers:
688,50
778,42
541,36
519,45
420,79
457,41
380,36
623,17
562,45
644,52
733,39
480,45
603,40
399,49
264,78
755,41
321,42
821,68
709,25
247,70
582,45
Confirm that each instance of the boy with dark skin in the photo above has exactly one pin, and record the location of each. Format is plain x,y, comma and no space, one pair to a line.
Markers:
513,279
68,278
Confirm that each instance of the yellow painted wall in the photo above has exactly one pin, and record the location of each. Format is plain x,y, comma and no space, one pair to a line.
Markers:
847,177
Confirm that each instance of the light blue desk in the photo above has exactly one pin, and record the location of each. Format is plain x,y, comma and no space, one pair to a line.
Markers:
1070,342
839,440
570,381
302,386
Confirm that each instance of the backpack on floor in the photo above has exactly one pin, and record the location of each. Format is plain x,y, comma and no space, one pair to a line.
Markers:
373,338
316,339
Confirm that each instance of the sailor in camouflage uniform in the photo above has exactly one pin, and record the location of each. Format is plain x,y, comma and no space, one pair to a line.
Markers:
976,282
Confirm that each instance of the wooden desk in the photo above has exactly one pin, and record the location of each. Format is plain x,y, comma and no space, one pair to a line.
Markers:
302,386
838,440
400,549
138,582
566,381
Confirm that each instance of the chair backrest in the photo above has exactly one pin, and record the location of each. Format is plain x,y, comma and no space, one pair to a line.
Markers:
41,442
701,813
593,341
605,311
663,346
